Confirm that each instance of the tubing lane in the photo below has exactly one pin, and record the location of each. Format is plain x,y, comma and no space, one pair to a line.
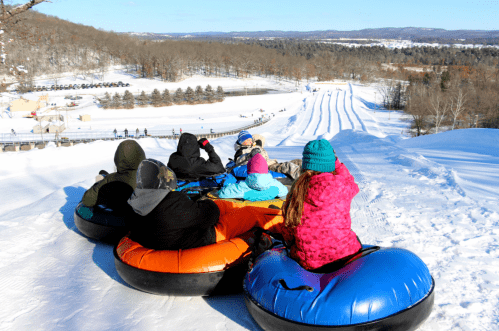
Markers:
309,126
322,126
355,114
352,125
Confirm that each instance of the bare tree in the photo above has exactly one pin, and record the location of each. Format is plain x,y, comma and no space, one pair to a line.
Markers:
457,105
438,107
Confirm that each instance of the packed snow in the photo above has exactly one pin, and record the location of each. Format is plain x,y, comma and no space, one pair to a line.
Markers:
434,195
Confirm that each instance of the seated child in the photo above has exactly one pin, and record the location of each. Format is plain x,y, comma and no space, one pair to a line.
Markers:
247,146
258,186
317,209
114,189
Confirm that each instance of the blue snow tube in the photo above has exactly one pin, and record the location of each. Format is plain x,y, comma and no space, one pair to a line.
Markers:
242,172
208,181
378,289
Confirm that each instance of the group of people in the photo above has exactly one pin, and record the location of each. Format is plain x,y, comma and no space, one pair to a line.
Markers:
137,132
314,220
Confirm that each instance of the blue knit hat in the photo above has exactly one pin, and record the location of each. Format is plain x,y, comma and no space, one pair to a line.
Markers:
243,135
318,155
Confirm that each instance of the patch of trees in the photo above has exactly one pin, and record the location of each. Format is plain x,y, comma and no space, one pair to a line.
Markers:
163,98
458,98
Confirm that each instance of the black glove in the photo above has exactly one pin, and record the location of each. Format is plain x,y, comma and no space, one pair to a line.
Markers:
203,143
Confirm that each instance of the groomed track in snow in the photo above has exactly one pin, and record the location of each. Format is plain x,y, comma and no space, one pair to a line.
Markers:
53,278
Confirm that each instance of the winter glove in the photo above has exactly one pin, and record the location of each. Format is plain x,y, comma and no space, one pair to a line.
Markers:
267,194
203,143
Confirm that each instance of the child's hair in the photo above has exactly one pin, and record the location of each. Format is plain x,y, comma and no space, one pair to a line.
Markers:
293,205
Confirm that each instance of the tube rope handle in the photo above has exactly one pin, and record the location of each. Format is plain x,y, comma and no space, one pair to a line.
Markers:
299,288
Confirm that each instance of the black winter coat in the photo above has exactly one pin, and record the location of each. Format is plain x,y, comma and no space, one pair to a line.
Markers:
175,223
187,163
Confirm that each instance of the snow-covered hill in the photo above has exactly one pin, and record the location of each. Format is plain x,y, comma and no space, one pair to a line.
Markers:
436,196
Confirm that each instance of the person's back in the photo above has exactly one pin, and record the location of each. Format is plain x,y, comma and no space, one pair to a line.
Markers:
127,158
317,209
187,162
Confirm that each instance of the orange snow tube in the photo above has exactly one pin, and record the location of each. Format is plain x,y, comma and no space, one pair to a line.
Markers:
241,203
214,269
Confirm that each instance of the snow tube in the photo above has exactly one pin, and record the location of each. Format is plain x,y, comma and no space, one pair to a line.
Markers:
213,195
241,172
378,289
195,188
100,223
209,270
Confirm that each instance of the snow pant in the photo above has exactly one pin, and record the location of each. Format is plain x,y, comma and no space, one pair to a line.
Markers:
236,219
290,168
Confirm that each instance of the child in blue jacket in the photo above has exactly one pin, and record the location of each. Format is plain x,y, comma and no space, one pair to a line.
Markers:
258,186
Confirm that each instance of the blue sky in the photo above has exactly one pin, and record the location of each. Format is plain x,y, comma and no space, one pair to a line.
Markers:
260,15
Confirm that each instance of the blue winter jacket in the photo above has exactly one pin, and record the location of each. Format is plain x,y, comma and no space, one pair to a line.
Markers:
255,188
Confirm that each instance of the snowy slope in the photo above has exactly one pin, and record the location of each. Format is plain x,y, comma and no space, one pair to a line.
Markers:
431,195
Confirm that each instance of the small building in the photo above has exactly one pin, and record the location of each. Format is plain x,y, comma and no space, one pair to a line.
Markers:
29,103
51,127
85,118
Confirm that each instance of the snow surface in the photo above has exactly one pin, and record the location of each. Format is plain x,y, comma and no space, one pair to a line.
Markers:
435,195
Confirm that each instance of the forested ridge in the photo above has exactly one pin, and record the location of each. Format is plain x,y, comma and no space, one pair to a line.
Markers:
41,44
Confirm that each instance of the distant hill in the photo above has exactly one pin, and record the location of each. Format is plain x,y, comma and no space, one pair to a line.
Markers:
408,33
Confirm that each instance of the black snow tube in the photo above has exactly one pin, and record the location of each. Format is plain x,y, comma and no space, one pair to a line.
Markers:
191,284
100,223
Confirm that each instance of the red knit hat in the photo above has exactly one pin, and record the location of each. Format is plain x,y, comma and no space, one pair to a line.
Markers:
258,165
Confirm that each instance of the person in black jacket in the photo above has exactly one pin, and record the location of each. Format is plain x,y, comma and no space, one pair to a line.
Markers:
187,162
169,220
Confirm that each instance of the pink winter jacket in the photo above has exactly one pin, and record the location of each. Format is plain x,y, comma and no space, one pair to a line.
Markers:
325,233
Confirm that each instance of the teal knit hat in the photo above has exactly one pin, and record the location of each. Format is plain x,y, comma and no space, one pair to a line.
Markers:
318,155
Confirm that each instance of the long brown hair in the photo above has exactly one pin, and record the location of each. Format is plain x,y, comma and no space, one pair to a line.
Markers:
293,206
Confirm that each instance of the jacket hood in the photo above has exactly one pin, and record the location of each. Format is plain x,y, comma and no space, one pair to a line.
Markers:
154,182
188,146
259,182
128,156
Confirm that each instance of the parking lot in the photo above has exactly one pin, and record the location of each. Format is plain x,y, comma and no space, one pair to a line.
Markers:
39,88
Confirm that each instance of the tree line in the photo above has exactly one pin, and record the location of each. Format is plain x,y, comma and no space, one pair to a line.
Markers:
160,99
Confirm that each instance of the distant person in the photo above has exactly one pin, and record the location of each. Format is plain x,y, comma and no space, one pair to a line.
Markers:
145,132
126,133
180,131
187,162
137,132
115,188
173,132
13,132
115,133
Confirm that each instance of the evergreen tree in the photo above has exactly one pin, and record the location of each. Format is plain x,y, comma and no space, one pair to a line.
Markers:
199,94
167,98
220,94
128,100
189,95
209,93
178,98
156,98
106,101
117,102
142,99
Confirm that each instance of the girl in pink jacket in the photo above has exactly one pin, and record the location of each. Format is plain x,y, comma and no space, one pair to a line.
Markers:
317,209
